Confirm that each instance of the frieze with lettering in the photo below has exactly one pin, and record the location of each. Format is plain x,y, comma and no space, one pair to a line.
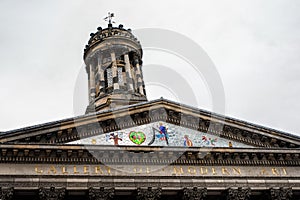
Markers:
141,170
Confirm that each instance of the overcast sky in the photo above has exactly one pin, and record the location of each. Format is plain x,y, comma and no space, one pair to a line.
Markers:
254,44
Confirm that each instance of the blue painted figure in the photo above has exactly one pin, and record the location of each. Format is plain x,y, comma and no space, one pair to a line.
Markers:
163,132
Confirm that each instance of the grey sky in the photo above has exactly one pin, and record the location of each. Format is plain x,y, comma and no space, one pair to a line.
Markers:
254,44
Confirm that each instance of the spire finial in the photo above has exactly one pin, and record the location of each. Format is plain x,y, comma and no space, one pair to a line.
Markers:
109,18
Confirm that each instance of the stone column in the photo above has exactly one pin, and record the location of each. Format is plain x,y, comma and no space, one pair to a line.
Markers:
92,83
116,86
149,194
194,194
238,194
281,194
129,79
89,84
52,193
139,80
101,77
6,194
101,194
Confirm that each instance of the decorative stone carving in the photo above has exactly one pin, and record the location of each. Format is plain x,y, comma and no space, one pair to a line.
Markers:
52,193
194,194
101,194
281,193
238,194
149,194
6,194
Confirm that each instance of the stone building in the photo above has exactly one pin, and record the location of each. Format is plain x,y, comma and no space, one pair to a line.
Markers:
126,147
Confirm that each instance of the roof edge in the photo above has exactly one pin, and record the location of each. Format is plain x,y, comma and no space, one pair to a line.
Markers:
57,123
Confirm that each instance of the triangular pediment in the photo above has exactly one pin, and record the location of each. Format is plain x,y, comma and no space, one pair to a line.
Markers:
186,125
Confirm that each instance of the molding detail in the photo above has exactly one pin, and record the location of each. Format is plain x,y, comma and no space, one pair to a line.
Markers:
281,193
194,194
101,193
14,153
52,193
6,194
238,194
149,194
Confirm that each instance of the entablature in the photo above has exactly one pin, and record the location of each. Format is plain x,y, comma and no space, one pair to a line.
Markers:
127,155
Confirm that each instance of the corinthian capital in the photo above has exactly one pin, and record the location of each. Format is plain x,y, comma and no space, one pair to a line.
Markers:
6,194
101,194
52,193
238,194
194,194
281,193
148,194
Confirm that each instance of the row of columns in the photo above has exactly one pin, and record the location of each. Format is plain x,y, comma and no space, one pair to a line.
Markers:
195,193
133,76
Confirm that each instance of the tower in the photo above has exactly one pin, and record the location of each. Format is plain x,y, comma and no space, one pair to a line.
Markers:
113,59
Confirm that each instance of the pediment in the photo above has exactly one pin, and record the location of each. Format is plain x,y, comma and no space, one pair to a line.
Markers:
201,128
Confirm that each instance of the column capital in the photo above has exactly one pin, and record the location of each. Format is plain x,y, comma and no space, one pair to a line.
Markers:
52,193
101,193
281,193
194,194
148,194
238,194
6,194
136,59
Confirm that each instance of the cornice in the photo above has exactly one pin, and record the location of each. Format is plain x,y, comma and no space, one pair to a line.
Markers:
127,155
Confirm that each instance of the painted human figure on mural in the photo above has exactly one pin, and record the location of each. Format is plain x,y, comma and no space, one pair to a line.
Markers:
213,141
205,140
187,142
209,141
163,130
115,138
160,133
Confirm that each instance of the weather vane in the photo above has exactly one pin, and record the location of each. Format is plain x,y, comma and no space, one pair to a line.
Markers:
109,18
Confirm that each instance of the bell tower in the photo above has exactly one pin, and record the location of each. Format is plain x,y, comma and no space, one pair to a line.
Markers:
113,59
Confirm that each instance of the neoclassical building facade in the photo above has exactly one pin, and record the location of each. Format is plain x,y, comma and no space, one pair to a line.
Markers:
125,147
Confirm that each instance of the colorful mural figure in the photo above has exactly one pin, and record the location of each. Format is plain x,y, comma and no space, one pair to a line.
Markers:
205,140
187,142
161,133
115,137
213,141
137,137
163,130
230,144
208,141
